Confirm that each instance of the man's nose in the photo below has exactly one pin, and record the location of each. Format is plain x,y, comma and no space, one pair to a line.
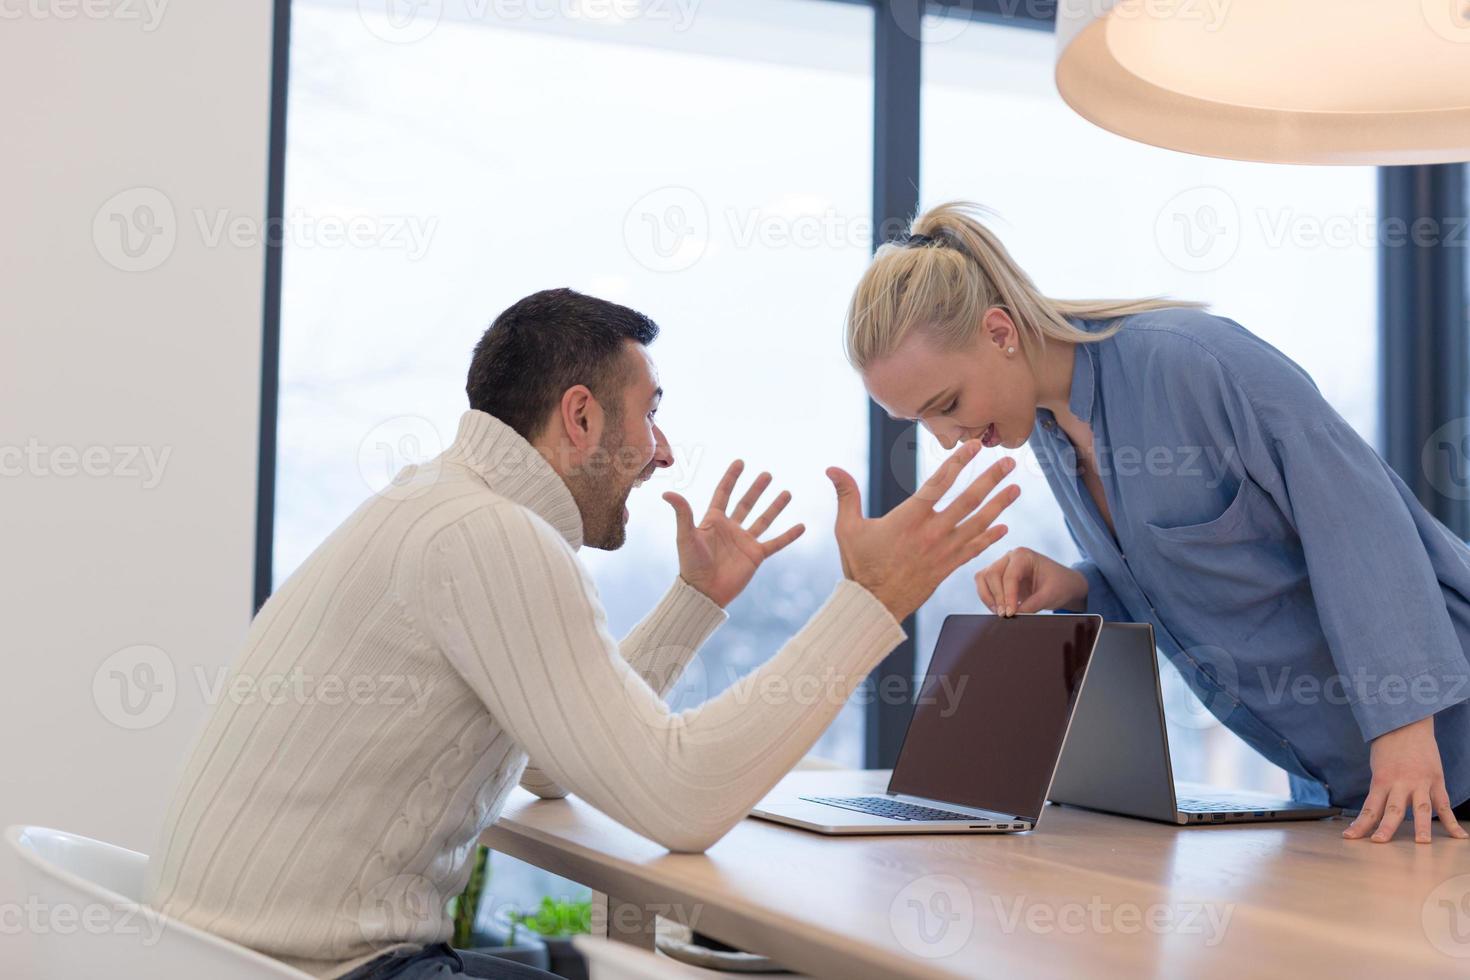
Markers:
663,453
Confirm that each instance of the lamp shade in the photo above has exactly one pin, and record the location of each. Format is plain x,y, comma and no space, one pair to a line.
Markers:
1281,81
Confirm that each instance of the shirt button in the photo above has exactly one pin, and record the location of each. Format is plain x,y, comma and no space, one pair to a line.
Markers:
1048,424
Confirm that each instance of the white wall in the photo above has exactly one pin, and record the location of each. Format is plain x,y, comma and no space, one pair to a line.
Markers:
100,550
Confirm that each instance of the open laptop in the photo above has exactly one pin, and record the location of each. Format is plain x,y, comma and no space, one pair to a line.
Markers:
1117,756
984,737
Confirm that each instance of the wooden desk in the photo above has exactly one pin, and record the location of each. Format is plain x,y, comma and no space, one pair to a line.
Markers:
1085,895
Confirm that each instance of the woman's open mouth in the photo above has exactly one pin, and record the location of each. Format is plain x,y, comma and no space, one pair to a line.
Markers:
990,438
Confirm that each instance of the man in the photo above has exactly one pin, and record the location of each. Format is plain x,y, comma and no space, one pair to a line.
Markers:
330,832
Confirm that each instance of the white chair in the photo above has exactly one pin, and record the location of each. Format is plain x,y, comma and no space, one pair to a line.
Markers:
86,920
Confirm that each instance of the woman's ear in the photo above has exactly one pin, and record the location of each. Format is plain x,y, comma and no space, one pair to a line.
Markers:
1001,330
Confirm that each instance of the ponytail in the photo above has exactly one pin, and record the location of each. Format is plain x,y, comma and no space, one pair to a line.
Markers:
946,274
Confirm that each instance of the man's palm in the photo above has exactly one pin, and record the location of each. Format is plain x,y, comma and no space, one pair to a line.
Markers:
719,556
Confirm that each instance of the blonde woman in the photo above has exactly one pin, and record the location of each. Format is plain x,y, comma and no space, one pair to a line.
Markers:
1314,605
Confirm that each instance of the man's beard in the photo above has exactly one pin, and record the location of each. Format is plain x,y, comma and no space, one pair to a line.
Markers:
601,489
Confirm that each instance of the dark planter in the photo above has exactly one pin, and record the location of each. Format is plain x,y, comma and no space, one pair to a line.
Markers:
565,960
528,950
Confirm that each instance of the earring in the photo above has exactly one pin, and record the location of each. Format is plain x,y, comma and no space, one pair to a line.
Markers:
1010,351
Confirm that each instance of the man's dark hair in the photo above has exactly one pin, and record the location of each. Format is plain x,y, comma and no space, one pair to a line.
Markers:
549,342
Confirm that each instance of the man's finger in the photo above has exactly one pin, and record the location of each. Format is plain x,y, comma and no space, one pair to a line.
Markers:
976,492
777,543
772,512
980,542
943,478
1368,815
721,499
1423,815
849,499
683,513
1393,814
747,502
986,515
1440,797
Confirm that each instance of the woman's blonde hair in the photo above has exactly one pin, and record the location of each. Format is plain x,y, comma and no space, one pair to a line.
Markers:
944,276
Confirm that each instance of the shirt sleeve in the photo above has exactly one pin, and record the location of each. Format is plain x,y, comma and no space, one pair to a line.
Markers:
1376,592
514,612
658,648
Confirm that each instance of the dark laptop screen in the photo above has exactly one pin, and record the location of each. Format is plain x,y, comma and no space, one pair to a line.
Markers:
993,711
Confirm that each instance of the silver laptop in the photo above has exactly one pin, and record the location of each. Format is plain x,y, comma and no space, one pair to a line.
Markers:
1117,755
984,737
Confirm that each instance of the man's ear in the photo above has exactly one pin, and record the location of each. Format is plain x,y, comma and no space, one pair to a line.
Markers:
1001,329
581,417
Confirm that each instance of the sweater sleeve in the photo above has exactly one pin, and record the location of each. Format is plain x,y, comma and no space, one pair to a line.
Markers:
516,615
658,648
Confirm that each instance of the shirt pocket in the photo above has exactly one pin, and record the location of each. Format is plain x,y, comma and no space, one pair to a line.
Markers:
1241,565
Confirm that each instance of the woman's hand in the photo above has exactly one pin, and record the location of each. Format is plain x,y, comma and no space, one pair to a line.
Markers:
1024,582
1407,772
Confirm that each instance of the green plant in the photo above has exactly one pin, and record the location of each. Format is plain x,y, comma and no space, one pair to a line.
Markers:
555,917
467,902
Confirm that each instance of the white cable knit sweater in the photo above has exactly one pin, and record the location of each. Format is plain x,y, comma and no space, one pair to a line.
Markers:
437,638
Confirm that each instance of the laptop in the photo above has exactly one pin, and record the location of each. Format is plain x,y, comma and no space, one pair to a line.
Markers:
984,738
1117,756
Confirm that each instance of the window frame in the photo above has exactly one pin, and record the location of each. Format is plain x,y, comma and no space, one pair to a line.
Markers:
1424,326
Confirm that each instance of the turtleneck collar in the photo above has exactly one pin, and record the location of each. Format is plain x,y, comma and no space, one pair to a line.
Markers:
513,468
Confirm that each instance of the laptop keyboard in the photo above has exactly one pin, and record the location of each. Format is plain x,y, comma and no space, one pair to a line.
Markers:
893,809
1210,806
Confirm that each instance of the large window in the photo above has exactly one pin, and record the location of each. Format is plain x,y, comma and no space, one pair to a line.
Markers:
713,173
1286,251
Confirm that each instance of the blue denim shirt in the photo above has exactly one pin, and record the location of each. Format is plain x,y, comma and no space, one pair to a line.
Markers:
1302,591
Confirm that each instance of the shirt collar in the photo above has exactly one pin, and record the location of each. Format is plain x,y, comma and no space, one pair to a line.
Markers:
1084,375
513,468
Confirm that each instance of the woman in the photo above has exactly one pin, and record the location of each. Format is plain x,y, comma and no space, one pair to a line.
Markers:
1311,602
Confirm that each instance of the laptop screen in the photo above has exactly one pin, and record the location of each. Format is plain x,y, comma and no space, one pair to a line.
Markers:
993,711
